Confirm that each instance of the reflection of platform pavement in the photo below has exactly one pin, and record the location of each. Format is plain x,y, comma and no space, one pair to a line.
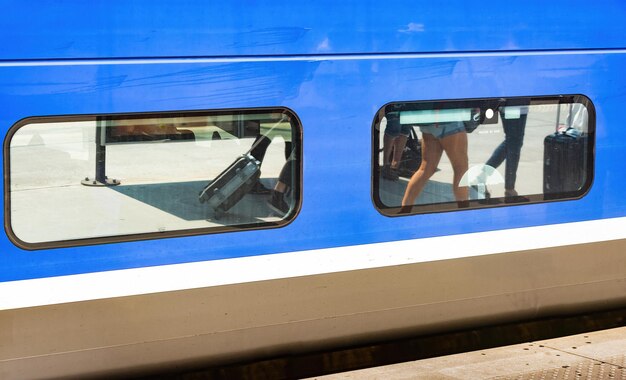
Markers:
159,190
391,192
79,212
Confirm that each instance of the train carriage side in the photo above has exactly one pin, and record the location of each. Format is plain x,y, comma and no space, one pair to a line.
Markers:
114,262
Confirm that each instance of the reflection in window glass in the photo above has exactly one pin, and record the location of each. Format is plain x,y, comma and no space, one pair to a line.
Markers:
142,176
449,155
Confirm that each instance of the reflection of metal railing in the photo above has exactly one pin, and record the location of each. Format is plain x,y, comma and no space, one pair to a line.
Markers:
273,129
100,178
123,130
176,128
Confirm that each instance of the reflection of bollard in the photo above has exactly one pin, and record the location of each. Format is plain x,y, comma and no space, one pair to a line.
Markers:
100,178
94,182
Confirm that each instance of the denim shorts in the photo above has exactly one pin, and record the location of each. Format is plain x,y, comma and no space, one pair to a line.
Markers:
443,129
394,128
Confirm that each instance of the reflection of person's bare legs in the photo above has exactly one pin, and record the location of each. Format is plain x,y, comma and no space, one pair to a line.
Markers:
455,147
431,154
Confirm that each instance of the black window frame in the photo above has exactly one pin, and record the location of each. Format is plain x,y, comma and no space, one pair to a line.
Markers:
483,104
297,141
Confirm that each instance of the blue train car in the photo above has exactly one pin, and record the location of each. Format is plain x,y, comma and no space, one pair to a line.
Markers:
119,116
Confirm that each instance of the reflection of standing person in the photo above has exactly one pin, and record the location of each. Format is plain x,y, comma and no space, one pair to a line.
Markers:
278,201
514,124
278,195
436,139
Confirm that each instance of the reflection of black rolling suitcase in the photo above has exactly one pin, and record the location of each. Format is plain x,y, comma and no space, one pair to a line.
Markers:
411,156
232,184
564,169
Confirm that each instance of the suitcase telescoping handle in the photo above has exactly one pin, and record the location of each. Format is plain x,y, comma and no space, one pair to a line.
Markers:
558,117
566,129
568,122
282,119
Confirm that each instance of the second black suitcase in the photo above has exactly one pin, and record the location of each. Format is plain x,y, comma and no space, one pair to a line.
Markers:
231,185
564,170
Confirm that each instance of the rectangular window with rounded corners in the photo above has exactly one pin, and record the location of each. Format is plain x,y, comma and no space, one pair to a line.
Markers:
434,156
91,179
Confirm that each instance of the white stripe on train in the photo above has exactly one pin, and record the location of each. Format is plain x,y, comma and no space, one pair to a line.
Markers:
302,58
119,283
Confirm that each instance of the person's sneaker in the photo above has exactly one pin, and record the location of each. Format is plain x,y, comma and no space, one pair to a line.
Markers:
278,204
511,196
389,173
258,188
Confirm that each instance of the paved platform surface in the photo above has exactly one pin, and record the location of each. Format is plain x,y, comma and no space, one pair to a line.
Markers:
595,355
160,183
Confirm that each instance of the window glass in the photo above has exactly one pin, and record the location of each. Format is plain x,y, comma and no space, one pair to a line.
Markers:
150,175
449,155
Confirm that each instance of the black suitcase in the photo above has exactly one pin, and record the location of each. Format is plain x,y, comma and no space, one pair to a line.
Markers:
564,170
231,185
411,156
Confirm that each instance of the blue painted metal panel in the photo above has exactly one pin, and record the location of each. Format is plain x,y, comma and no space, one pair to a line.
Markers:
336,101
108,29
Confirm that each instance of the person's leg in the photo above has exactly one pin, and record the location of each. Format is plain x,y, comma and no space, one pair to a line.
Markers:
388,152
455,147
387,149
288,149
431,154
514,132
498,155
277,199
286,175
497,158
398,148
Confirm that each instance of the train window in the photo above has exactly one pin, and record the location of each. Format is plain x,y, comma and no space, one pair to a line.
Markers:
456,154
90,179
